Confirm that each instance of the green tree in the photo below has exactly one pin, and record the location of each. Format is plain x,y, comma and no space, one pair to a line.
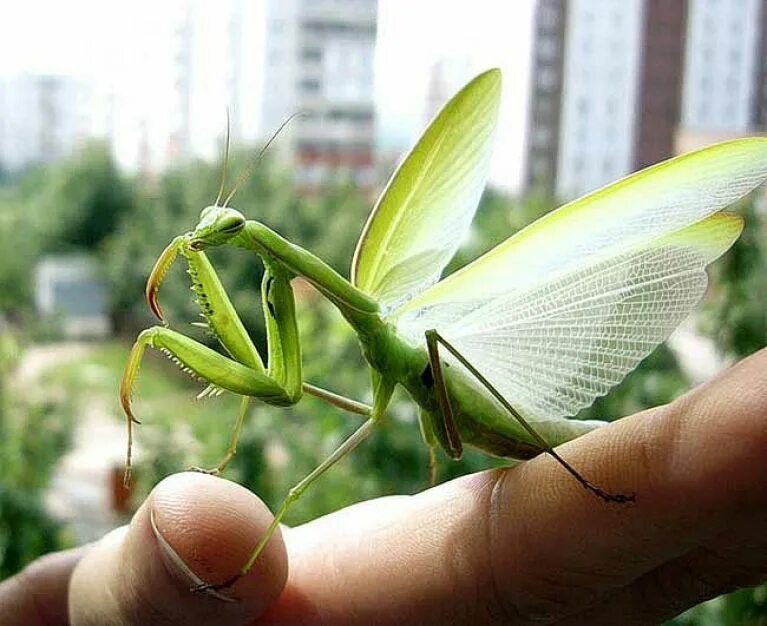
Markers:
82,200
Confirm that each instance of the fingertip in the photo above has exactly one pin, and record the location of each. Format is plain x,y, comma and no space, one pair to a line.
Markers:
206,529
193,528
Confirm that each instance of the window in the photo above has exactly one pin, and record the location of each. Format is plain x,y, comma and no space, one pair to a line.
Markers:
311,54
309,86
549,17
541,168
542,136
547,48
547,78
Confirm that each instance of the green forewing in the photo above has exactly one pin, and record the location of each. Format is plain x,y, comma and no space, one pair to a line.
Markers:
427,207
658,200
562,311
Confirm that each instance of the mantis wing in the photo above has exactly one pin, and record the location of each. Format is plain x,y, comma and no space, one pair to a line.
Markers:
428,205
562,311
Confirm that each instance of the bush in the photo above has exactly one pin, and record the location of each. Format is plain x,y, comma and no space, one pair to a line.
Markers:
32,439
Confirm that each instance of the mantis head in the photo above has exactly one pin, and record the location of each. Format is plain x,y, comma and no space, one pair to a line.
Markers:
216,227
218,224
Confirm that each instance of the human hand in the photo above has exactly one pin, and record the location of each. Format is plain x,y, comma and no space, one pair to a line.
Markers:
514,546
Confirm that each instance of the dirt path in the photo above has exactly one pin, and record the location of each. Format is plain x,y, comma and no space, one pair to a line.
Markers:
80,493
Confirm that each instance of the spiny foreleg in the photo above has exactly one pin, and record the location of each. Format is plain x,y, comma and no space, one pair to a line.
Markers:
202,363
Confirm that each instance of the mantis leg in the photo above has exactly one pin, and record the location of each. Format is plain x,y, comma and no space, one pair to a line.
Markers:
234,438
432,466
342,402
244,373
433,339
334,399
383,393
202,363
449,433
347,404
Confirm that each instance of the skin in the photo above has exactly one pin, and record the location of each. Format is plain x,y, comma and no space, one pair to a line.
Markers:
517,546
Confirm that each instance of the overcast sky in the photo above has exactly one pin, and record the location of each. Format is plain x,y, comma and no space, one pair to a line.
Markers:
97,38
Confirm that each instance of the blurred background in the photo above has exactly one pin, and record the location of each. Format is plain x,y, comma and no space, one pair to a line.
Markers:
112,118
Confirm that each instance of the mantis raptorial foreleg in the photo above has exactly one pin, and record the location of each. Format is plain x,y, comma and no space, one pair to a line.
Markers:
382,396
201,362
433,339
244,373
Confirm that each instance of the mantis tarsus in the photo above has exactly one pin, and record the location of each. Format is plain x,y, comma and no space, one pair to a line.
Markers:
499,353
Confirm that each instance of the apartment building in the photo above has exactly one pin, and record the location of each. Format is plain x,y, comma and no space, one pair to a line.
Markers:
319,61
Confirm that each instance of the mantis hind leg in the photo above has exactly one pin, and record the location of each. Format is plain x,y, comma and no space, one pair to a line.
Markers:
433,340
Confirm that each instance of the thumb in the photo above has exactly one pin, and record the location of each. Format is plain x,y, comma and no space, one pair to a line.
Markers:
193,528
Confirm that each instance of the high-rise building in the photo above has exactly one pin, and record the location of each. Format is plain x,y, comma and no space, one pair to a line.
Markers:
546,94
42,118
760,93
182,44
721,65
621,84
199,60
447,76
724,87
660,80
319,61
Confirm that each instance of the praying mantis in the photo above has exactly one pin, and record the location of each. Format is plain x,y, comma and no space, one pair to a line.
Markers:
498,354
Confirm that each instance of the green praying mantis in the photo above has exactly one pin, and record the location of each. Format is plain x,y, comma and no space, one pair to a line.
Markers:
498,354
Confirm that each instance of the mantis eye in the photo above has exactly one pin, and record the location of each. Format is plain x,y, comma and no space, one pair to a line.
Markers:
231,223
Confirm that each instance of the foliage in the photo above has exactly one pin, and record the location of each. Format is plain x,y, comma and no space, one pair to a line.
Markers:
747,607
32,439
735,315
72,205
82,200
22,243
26,529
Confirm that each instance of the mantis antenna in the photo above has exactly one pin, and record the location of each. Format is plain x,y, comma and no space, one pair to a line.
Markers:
249,170
226,160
